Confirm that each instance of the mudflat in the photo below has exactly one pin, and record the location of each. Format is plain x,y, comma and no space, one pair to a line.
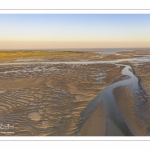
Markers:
38,98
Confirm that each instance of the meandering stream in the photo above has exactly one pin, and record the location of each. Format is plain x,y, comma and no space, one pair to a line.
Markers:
112,111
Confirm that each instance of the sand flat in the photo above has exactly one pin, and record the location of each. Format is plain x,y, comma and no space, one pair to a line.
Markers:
126,103
48,98
95,125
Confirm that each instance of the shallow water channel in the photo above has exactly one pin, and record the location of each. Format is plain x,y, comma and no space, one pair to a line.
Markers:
115,123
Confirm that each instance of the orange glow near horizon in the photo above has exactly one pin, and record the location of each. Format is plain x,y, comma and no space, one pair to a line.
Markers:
56,31
69,44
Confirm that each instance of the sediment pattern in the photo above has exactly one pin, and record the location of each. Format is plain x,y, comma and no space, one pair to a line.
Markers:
48,99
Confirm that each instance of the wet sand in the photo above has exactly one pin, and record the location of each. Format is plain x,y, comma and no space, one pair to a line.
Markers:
95,125
48,99
126,103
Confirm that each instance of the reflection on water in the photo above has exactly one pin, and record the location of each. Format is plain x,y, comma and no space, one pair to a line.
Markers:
133,60
2,92
112,111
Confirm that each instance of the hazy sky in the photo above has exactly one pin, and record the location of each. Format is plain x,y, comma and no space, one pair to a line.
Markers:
74,31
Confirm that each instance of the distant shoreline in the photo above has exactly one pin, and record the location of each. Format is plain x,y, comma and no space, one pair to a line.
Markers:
77,49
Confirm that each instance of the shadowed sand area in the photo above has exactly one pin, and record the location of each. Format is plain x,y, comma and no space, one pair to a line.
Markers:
95,125
126,104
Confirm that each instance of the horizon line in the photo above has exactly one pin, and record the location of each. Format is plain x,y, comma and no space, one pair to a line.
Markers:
134,48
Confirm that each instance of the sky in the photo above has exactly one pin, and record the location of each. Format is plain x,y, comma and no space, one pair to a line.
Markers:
48,31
